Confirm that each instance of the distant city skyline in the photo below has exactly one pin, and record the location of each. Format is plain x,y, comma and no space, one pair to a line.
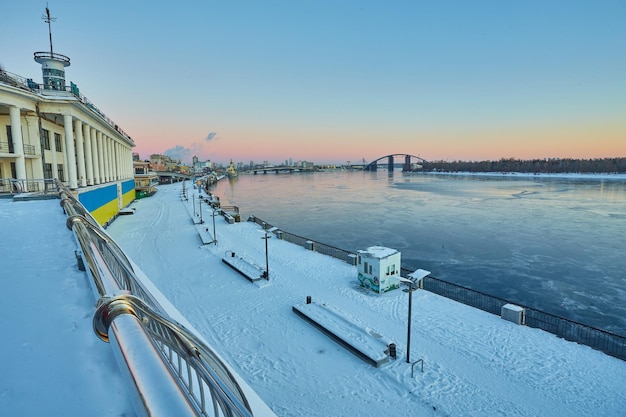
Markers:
331,82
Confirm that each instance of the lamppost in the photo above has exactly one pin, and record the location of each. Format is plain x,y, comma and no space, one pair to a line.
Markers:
214,235
408,334
415,276
200,208
266,274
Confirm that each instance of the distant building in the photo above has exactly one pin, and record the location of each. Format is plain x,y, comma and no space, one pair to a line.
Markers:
379,268
146,181
304,165
201,167
160,162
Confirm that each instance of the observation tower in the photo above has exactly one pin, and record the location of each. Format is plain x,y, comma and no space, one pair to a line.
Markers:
52,65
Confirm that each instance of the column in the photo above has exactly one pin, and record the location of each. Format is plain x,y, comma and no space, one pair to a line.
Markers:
105,156
100,157
88,153
114,160
114,176
65,164
69,151
118,161
32,127
110,157
128,157
18,143
53,152
95,153
80,152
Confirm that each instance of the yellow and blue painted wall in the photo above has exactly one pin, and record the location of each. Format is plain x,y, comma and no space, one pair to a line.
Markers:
105,202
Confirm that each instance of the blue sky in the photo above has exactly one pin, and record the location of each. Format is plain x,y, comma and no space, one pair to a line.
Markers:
332,81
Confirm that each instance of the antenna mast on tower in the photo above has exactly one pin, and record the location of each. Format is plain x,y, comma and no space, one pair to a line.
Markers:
46,18
52,65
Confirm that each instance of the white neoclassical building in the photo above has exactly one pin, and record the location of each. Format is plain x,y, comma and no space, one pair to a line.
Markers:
51,131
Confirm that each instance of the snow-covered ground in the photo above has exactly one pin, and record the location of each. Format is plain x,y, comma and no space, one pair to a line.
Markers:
475,364
52,362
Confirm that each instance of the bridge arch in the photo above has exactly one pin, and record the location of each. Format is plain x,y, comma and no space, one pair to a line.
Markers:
407,165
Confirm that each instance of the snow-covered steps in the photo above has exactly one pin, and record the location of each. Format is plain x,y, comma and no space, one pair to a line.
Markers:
245,267
364,342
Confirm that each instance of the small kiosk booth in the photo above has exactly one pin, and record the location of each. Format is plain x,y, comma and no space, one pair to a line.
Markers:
379,268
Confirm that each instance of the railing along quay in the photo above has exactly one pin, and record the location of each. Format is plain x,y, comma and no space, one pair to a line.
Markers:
319,247
610,343
602,340
40,186
170,371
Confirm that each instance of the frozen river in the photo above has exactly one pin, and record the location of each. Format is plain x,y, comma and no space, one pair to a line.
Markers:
553,243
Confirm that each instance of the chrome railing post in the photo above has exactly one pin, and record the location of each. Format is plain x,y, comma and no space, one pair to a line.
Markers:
154,391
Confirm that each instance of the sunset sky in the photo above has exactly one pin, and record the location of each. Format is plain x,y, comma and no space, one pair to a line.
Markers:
337,81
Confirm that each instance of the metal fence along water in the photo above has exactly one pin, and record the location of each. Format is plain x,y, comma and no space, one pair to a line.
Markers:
607,342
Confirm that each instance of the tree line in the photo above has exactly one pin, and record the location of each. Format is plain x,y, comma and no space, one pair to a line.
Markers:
536,166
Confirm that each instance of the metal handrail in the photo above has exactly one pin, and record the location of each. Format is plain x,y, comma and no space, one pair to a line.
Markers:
191,379
176,342
51,55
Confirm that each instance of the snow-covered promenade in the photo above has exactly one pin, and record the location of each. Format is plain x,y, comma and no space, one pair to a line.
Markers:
475,364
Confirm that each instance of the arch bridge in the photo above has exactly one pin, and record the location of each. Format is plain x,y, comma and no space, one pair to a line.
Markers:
410,163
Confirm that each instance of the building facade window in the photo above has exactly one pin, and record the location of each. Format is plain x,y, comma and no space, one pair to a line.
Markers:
60,172
45,138
10,139
47,171
51,72
57,142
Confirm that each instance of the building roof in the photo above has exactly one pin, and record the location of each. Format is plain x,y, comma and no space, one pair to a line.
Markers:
379,252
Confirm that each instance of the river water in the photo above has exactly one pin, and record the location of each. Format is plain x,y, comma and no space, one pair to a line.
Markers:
557,244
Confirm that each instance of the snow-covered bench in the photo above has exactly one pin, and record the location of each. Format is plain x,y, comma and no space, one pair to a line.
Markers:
230,219
364,342
245,267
